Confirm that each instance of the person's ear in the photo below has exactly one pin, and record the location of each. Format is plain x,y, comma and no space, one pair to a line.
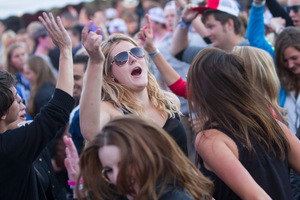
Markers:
3,117
230,24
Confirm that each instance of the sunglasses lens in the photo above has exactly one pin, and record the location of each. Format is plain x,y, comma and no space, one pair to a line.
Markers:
121,58
295,9
138,52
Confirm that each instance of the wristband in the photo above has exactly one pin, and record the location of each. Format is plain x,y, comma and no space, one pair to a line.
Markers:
72,183
259,3
183,23
154,53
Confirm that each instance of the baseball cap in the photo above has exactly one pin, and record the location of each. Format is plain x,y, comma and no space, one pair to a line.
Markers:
117,25
110,13
156,14
227,6
130,3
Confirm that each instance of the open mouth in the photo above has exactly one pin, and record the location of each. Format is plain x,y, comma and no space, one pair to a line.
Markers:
23,116
136,71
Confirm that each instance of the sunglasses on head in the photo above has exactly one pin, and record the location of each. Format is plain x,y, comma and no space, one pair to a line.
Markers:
294,8
122,57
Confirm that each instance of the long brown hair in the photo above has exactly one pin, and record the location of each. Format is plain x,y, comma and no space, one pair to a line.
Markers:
289,37
221,93
148,152
44,75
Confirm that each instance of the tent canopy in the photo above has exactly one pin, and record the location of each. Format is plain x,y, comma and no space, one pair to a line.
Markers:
19,7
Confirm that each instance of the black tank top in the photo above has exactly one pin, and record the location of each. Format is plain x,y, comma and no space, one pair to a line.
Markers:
270,172
174,127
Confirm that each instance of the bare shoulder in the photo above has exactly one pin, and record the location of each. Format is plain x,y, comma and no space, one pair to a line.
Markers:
173,98
211,140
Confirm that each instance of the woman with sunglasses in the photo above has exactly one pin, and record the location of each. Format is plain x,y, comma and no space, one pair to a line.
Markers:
118,82
133,158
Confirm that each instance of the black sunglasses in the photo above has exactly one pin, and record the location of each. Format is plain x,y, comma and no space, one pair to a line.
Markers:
294,8
122,57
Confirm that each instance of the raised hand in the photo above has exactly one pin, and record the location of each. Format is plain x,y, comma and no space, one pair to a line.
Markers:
92,43
145,37
72,159
188,13
57,32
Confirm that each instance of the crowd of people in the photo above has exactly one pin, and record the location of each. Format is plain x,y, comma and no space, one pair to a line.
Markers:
153,100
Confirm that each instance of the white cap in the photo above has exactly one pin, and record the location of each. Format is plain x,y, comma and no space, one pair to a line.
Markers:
117,26
130,3
157,14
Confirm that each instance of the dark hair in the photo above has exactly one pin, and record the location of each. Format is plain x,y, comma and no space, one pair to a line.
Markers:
76,30
289,37
222,94
81,59
223,18
7,81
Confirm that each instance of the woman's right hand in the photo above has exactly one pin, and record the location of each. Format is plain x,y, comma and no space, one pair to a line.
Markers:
72,159
92,43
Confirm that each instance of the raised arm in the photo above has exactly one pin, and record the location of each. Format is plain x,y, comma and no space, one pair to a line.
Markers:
256,28
91,96
278,11
61,38
180,36
145,39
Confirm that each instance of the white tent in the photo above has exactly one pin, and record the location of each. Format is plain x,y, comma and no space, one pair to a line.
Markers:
19,7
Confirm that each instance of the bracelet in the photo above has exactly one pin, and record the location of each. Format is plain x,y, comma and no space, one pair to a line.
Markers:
154,53
179,12
72,187
259,3
183,23
72,183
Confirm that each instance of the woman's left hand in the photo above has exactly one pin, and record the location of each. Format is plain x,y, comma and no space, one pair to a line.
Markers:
57,32
145,37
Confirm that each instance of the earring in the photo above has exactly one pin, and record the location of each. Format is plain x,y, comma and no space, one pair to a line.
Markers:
105,177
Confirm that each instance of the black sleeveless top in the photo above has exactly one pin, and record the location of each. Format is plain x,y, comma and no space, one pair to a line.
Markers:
270,172
174,127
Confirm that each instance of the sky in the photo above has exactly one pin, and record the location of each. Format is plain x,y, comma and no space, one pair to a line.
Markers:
19,7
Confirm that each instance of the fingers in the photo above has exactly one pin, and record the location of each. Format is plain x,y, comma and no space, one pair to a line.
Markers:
148,22
85,31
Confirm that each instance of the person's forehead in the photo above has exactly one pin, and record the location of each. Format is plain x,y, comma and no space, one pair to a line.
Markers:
14,91
293,2
122,46
78,67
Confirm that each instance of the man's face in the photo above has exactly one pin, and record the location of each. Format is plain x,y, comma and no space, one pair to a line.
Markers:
216,32
78,79
47,42
294,11
13,111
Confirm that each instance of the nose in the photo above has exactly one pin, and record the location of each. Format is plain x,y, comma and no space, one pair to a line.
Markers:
290,64
132,58
114,176
292,13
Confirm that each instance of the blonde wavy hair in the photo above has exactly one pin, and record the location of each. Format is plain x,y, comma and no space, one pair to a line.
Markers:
260,68
120,95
